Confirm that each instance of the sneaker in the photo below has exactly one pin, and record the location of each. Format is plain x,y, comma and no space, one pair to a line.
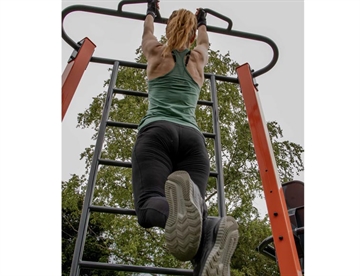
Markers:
184,225
219,241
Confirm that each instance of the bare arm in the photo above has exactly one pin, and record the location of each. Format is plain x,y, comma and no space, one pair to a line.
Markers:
149,41
203,43
203,38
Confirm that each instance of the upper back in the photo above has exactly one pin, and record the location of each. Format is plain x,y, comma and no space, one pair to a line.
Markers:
159,66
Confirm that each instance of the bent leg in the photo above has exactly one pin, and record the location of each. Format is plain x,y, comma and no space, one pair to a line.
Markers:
151,165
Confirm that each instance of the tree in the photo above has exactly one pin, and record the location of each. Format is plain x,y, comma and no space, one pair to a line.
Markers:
96,247
130,244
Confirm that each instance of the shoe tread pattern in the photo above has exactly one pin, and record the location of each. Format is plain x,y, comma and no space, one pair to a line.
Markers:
184,224
218,261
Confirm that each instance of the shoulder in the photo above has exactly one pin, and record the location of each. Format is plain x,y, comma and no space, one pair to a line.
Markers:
200,54
150,46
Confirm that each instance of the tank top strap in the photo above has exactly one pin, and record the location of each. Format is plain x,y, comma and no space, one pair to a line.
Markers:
179,57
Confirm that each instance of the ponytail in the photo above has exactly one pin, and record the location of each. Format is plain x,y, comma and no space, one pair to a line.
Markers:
180,28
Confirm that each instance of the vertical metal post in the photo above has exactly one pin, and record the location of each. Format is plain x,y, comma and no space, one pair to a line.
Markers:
279,219
74,71
85,213
218,157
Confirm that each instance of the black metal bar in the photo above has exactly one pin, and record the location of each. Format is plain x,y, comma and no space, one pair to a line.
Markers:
135,126
134,268
219,168
218,15
143,66
208,103
145,95
126,2
121,124
112,210
267,250
130,93
214,174
209,135
84,219
131,15
115,163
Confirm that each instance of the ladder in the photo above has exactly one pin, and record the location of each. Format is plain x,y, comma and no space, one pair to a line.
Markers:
80,58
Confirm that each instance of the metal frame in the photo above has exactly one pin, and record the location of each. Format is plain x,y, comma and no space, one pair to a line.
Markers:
74,70
275,201
287,256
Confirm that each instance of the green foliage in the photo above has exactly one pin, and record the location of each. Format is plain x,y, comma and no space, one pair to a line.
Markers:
125,242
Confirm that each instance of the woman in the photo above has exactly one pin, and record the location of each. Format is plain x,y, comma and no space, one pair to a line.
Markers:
170,160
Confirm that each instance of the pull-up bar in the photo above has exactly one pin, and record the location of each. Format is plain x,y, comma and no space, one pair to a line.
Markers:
120,13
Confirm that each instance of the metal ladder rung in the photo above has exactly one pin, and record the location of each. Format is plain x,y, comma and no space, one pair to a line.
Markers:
134,126
145,95
130,92
129,165
112,210
134,268
121,124
115,163
214,174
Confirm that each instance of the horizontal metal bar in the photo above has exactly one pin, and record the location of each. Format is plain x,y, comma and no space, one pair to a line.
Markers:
213,174
112,210
145,95
130,92
129,165
143,66
115,163
137,16
121,124
208,103
208,135
135,126
135,268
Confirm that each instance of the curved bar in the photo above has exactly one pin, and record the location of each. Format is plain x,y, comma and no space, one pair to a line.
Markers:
126,2
131,15
218,15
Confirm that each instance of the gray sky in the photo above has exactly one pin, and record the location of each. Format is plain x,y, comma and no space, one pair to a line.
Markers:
281,90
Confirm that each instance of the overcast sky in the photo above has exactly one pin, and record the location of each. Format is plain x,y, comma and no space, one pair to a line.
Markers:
281,90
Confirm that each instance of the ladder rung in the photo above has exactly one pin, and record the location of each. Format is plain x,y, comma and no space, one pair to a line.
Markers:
201,102
145,95
135,126
130,92
121,124
135,268
112,210
209,135
115,163
129,165
214,174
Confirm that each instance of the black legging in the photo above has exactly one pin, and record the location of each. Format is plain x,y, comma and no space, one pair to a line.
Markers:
161,148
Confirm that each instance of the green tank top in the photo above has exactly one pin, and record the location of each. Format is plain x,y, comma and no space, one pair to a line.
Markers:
173,97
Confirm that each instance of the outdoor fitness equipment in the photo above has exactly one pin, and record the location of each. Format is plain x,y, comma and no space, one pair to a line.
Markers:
286,217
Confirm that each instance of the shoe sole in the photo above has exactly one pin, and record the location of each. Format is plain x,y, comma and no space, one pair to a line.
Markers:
218,261
184,224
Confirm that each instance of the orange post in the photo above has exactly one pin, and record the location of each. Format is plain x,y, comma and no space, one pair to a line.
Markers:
74,71
286,252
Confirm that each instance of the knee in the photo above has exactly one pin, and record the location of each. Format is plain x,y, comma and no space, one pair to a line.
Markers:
153,213
143,218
